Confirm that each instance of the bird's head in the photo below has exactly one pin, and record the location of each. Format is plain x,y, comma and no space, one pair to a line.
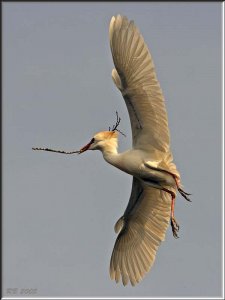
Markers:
105,140
101,141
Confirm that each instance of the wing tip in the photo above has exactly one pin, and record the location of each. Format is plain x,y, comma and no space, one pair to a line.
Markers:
119,20
112,19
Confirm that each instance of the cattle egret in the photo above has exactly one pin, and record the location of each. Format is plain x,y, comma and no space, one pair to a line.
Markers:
156,179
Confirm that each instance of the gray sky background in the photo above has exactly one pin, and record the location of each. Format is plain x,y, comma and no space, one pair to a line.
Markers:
59,211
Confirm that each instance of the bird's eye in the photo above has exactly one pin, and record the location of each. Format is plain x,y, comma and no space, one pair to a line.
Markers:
92,141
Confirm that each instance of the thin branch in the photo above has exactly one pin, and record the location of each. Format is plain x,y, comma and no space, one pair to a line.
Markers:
118,119
117,122
121,132
57,151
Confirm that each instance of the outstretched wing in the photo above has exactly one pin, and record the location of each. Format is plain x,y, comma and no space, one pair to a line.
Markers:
135,77
142,228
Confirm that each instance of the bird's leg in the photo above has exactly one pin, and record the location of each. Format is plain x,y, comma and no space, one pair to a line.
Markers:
175,226
182,192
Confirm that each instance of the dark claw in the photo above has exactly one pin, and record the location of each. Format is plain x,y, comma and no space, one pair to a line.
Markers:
184,194
175,227
180,190
175,234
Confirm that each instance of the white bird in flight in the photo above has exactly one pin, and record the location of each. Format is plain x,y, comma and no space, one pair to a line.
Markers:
156,179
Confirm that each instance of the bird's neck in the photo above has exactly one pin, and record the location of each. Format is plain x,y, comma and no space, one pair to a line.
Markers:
110,152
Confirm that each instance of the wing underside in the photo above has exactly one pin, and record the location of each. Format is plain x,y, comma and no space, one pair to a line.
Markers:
145,222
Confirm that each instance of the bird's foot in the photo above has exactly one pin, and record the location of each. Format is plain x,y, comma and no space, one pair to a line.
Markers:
175,227
184,194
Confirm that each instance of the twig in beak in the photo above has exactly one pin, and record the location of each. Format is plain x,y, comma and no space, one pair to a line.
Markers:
57,151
